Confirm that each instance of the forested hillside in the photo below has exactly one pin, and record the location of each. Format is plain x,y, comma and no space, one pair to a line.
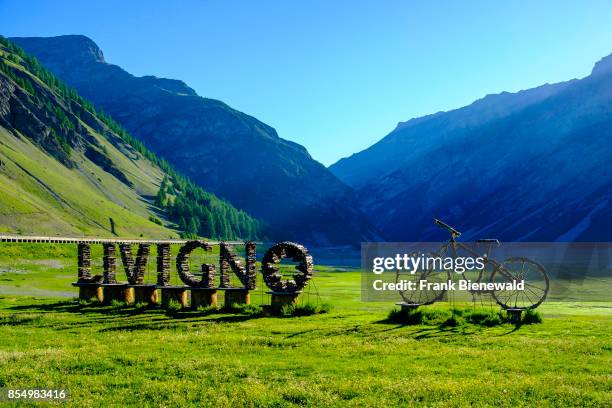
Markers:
68,168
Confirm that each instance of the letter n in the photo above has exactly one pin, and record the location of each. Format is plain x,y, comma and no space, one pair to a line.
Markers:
229,260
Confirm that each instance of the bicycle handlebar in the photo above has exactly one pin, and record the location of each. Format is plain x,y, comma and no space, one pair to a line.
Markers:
448,227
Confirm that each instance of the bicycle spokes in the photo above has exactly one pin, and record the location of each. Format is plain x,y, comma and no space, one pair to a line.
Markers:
520,269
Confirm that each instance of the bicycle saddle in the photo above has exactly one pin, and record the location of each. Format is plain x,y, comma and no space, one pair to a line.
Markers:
489,240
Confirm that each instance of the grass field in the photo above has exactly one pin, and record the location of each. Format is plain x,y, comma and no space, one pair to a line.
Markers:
351,356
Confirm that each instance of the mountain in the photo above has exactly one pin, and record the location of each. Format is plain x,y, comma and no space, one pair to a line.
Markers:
529,166
66,169
228,152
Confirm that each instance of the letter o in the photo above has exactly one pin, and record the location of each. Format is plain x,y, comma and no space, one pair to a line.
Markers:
271,271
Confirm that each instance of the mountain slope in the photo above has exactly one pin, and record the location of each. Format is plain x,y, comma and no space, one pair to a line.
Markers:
534,165
64,170
231,153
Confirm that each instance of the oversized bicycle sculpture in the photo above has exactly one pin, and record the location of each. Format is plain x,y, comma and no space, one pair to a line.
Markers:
512,269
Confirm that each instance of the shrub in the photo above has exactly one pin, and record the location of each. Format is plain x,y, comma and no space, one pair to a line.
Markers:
452,317
117,304
207,309
287,310
173,306
477,316
494,319
84,302
484,317
436,316
89,302
245,309
454,320
406,316
531,317
307,309
325,308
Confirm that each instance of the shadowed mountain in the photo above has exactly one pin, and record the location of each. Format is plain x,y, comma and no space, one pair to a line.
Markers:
228,152
533,165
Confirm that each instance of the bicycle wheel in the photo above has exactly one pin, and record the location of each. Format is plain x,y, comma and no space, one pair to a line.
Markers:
425,296
521,269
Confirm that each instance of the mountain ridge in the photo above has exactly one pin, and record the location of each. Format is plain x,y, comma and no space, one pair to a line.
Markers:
470,165
493,106
234,155
603,66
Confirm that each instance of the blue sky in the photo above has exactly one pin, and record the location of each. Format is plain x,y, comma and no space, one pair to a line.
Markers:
335,76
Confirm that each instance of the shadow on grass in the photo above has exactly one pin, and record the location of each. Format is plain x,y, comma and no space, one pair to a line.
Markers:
514,329
46,307
429,331
301,333
20,319
173,323
437,332
454,321
75,307
115,316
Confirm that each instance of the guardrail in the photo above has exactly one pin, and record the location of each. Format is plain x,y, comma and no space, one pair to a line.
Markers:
73,240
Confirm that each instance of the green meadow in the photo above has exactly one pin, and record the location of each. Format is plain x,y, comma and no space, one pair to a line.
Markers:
351,356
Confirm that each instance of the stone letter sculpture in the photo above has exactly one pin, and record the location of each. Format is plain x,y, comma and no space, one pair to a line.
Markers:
134,269
163,264
271,271
229,260
84,265
182,264
110,263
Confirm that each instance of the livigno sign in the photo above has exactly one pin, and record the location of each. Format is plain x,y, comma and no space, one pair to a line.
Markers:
198,289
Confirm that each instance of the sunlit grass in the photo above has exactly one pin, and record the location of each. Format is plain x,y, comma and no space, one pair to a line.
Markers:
352,355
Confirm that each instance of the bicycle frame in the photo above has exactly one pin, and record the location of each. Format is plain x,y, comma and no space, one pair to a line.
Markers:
454,245
451,248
